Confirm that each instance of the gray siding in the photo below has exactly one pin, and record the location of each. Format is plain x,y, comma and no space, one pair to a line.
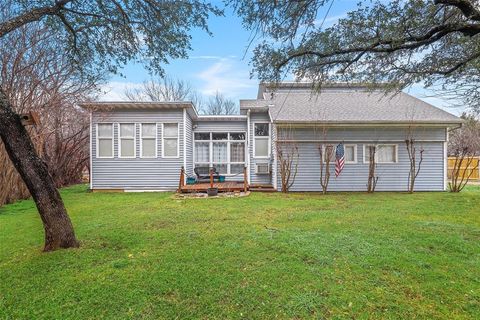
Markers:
137,173
189,145
258,178
362,134
221,126
392,177
163,173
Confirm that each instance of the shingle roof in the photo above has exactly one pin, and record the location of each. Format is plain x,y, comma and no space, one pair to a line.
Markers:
339,104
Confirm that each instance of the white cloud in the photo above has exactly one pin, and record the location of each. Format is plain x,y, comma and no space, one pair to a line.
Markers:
114,90
226,76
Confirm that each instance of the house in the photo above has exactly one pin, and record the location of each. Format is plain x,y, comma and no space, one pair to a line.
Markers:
143,145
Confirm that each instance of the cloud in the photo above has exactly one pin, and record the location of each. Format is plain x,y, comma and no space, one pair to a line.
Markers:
114,90
227,76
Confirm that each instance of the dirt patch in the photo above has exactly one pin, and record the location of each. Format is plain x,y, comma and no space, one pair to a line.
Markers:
201,195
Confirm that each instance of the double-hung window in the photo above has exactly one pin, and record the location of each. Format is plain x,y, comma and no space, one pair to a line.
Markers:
127,140
384,153
350,153
104,140
170,145
222,150
148,140
261,140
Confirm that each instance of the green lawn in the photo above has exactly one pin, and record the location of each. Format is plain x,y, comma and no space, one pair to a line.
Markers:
379,256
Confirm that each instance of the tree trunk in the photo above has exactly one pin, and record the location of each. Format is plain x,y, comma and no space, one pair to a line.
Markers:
58,227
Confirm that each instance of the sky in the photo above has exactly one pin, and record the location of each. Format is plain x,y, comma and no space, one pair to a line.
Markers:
221,62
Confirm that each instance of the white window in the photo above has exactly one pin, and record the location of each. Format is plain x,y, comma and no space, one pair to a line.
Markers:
384,153
104,140
261,140
350,153
170,146
148,140
222,150
127,140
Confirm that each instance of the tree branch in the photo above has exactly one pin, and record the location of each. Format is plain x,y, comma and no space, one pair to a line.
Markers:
31,16
467,8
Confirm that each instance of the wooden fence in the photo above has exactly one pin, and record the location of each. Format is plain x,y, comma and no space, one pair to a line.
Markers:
474,165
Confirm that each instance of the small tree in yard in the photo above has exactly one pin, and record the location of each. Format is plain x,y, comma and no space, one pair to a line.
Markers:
287,156
464,145
372,165
96,36
415,157
327,151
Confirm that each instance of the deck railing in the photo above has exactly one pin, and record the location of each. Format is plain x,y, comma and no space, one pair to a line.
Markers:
227,185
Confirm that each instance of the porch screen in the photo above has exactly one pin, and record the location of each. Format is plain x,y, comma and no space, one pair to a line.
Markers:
223,150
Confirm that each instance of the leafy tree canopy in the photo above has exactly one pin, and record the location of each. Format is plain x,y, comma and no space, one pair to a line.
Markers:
400,42
106,34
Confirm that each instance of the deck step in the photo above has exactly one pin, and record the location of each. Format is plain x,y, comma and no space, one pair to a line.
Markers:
262,188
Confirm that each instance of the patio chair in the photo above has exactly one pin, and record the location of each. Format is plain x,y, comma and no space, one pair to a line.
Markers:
203,174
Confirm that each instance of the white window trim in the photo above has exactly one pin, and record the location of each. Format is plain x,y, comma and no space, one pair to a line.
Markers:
141,140
210,142
377,145
97,144
355,156
163,141
262,137
120,140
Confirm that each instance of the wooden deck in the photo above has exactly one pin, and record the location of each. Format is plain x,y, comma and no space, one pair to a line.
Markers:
228,186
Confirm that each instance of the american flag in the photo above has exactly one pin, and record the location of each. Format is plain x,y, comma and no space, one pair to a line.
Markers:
339,159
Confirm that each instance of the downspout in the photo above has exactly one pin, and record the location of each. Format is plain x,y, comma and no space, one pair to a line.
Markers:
185,144
445,160
274,139
274,144
91,148
248,146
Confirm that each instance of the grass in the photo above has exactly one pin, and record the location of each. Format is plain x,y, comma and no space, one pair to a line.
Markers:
151,256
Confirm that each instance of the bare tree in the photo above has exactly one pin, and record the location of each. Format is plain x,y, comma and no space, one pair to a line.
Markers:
327,151
219,104
464,145
415,157
287,157
161,89
372,165
37,77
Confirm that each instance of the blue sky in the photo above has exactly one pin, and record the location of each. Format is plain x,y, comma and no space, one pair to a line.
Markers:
222,62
